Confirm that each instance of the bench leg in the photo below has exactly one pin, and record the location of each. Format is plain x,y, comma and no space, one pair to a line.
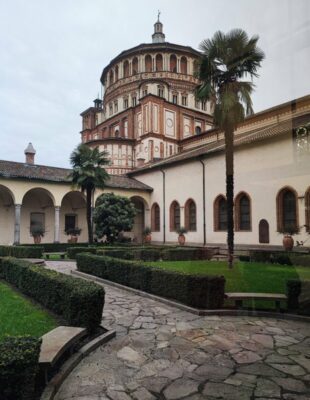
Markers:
278,307
239,304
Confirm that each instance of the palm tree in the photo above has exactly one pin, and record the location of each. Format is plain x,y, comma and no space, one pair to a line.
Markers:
225,61
88,174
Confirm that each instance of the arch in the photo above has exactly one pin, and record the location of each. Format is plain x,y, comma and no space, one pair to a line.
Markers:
307,209
184,65
263,231
116,73
73,214
135,66
175,216
148,63
173,63
126,69
243,212
190,215
111,77
220,213
6,195
159,62
37,192
155,218
287,210
7,215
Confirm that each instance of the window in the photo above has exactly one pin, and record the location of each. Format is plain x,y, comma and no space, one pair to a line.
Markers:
183,65
111,109
160,91
37,221
175,216
184,100
190,215
197,104
173,63
144,91
175,99
220,213
159,62
155,218
116,133
170,149
126,69
134,101
307,207
125,103
287,211
242,212
204,105
116,73
148,63
197,130
70,221
116,106
135,69
111,77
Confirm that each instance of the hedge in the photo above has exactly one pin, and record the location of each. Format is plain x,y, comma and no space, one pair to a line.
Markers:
199,291
298,296
21,251
277,257
73,251
187,254
77,301
19,357
57,247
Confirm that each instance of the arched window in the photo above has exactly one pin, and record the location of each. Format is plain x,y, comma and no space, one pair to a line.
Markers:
148,63
155,218
183,65
190,215
242,212
307,206
111,77
173,63
116,73
197,130
126,69
287,211
135,68
159,62
220,213
175,216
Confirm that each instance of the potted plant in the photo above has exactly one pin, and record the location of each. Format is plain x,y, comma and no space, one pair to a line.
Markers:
73,233
288,241
37,232
181,231
147,235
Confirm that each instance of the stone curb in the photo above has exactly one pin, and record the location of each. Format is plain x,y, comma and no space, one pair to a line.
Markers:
220,312
54,384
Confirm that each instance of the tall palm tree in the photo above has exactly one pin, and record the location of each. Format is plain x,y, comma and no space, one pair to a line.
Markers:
226,60
88,173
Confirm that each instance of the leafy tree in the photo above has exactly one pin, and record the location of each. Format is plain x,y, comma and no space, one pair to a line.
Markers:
113,214
226,60
88,174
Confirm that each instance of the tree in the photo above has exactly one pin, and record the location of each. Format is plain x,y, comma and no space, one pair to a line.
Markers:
113,214
88,174
227,59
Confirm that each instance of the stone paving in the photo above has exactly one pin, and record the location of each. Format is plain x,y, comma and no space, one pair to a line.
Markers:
161,352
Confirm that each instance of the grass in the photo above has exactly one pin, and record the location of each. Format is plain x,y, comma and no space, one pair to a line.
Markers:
19,316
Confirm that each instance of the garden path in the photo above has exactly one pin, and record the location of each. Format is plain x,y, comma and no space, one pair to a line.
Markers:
161,352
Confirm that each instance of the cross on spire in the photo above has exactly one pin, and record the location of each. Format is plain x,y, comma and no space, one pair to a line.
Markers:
158,15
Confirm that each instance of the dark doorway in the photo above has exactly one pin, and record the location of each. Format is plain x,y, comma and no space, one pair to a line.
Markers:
263,231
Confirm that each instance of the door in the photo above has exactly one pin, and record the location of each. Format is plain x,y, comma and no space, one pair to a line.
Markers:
263,231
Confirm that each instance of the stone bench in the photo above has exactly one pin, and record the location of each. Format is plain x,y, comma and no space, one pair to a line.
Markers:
56,342
238,298
62,255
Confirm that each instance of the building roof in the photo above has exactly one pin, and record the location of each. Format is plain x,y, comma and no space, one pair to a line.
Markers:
17,170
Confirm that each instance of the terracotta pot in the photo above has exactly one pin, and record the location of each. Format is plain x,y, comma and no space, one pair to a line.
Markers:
148,238
181,240
288,242
73,239
37,239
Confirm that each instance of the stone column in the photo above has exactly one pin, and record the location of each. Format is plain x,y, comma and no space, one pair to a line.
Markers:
182,217
57,224
17,224
147,217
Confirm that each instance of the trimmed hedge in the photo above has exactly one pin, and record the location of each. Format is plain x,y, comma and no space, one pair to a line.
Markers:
73,251
187,254
199,291
21,251
298,293
283,258
300,259
57,247
19,357
79,302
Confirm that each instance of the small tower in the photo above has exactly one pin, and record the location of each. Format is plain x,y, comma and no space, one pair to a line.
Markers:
30,152
158,35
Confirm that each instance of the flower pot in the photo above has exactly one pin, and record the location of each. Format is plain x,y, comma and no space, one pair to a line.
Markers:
73,239
37,239
148,238
288,242
181,240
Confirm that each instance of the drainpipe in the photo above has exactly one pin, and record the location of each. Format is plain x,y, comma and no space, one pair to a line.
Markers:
164,205
204,201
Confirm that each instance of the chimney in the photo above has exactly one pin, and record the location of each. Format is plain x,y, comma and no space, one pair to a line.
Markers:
30,152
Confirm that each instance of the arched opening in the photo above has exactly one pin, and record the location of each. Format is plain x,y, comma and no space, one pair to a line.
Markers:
307,210
287,214
243,212
183,65
155,218
159,62
7,216
173,63
126,69
263,231
111,77
37,213
220,213
148,63
116,73
73,215
190,216
135,68
139,221
175,216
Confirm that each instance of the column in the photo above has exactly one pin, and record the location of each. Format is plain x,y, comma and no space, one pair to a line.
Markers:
182,217
17,224
147,217
57,225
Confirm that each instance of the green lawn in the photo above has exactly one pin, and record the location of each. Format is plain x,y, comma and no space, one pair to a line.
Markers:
19,316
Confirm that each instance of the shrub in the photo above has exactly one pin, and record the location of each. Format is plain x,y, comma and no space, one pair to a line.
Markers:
197,291
187,254
244,258
73,251
79,302
57,247
300,259
19,358
120,253
21,251
293,290
150,254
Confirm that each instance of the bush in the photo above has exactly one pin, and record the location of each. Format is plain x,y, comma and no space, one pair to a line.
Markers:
244,258
19,358
57,247
120,253
187,254
79,302
293,290
73,251
21,251
196,291
300,259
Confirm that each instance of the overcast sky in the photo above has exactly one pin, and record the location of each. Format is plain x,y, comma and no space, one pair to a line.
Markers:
53,52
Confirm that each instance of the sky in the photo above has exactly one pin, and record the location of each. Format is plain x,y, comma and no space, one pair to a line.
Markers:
52,53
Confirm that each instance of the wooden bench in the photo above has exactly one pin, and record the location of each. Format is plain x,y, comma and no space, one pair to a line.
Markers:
61,255
56,342
240,297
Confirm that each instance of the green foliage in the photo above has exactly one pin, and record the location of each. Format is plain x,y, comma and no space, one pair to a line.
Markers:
79,302
73,251
56,247
194,290
293,290
19,358
113,214
184,254
300,259
283,258
21,251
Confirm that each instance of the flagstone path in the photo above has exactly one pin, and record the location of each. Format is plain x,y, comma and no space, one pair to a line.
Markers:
161,352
